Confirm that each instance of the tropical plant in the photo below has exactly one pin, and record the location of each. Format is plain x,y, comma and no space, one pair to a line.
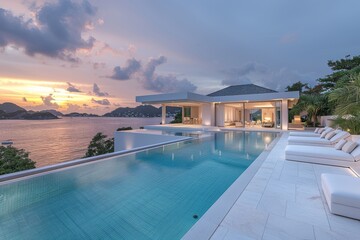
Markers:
177,118
347,101
313,104
349,123
342,70
100,145
124,128
13,159
347,98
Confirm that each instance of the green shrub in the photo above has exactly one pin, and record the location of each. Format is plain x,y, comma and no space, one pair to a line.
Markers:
177,118
124,128
100,145
14,160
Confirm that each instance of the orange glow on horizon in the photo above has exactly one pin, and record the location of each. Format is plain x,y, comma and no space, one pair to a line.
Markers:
30,94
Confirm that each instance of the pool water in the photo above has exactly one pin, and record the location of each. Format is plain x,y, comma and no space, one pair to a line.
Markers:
152,194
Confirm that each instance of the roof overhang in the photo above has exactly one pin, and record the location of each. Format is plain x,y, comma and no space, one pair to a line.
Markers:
193,97
173,98
258,97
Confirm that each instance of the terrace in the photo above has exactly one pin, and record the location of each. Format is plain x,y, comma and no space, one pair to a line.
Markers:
283,200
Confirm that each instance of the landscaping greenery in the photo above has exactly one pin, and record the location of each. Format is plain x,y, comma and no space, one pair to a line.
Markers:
13,160
101,144
336,94
177,118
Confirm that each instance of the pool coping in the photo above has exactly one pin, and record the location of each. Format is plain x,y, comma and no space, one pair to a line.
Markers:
72,163
206,226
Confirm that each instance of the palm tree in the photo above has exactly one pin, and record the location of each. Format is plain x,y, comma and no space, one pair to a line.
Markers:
313,104
347,98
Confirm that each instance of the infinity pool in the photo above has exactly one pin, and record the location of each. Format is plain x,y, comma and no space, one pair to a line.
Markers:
152,194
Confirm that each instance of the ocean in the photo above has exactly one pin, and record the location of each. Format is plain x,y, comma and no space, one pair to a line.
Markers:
55,141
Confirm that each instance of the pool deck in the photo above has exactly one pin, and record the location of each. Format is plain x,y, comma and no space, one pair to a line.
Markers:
284,200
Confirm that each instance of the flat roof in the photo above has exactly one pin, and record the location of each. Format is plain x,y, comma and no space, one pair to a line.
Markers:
193,97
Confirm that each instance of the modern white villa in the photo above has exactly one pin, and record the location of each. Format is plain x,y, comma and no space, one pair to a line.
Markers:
245,105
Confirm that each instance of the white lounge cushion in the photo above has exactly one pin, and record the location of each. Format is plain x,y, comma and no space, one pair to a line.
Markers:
342,194
304,134
324,133
317,152
356,153
316,130
330,135
321,130
340,135
309,141
340,144
349,146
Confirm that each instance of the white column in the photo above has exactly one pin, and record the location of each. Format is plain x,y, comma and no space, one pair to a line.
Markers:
220,115
207,114
284,114
163,114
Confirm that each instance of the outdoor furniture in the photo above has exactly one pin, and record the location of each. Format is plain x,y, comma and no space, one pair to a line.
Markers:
239,124
322,155
307,134
268,124
318,141
342,194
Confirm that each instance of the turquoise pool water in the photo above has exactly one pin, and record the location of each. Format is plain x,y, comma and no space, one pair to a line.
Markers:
152,194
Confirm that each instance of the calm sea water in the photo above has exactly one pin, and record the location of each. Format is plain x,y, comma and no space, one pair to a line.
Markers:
54,141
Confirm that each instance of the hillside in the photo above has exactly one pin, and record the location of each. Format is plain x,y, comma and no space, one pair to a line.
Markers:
53,112
141,111
9,107
76,114
23,114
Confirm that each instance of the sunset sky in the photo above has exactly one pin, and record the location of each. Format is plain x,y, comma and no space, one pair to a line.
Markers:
94,56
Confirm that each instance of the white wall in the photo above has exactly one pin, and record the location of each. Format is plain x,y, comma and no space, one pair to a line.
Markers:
208,114
326,121
220,115
126,140
284,114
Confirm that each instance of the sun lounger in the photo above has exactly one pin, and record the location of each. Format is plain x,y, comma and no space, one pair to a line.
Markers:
308,134
317,141
342,194
344,157
322,155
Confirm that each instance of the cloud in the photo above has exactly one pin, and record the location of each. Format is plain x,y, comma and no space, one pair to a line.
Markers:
97,92
98,65
263,75
72,107
124,73
72,88
150,80
47,101
163,83
101,102
24,99
57,30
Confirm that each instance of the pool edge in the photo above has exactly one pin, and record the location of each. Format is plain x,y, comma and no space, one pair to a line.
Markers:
211,220
77,162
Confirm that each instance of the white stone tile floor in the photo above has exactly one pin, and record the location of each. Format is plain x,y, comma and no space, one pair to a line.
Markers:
284,200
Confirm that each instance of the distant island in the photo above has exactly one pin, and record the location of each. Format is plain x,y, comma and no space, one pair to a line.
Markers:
12,111
142,111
